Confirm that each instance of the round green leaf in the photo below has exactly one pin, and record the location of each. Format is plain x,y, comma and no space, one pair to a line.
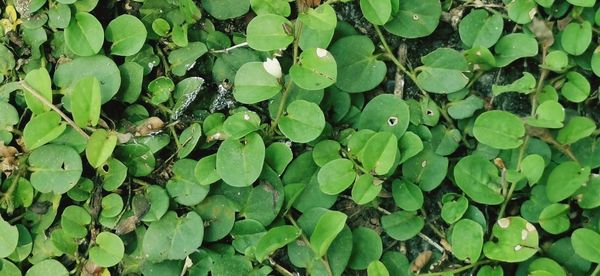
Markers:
127,34
330,224
377,12
555,218
206,170
9,237
407,196
427,169
326,151
84,36
112,205
86,102
415,18
47,267
274,239
56,168
173,237
576,129
521,11
336,176
216,209
467,240
478,28
254,84
379,153
74,220
268,32
402,225
479,179
358,69
183,186
586,243
68,74
241,123
316,69
303,122
226,9
515,240
366,248
454,207
576,37
189,139
577,88
514,46
443,71
42,129
38,79
100,147
365,189
499,129
387,113
377,268
245,157
565,179
108,251
280,7
137,157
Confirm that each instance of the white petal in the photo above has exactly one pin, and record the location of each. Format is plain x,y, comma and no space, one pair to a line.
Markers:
273,67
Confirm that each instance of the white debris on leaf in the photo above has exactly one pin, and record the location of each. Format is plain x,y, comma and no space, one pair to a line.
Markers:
321,52
273,67
530,227
504,222
524,234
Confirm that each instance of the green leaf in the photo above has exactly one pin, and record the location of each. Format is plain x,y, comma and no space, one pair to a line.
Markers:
330,224
56,168
358,69
86,102
127,34
377,268
184,59
206,170
402,225
8,115
47,267
532,167
226,9
38,79
336,176
515,240
42,129
586,243
68,74
379,153
184,187
84,36
415,18
549,114
132,75
218,210
254,84
576,129
454,207
303,122
137,157
565,179
189,139
557,61
173,237
386,113
427,169
499,129
478,28
546,266
467,240
366,248
321,18
479,179
582,3
241,124
9,236
326,151
524,85
407,195
278,156
268,32
514,46
577,88
316,69
108,251
376,11
443,71
365,189
555,218
576,37
521,11
275,238
279,7
74,220
244,157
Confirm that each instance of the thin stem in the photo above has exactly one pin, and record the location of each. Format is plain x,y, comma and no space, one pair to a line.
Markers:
306,241
431,226
47,103
457,270
513,185
279,268
538,89
596,271
175,137
163,59
226,51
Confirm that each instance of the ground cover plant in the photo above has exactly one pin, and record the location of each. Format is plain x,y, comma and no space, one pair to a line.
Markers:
307,137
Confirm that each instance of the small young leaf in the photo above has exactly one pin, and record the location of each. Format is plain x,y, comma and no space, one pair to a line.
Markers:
86,102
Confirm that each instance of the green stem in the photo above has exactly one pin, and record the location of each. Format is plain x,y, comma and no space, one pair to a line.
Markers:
175,137
513,185
47,103
163,59
306,241
596,271
457,270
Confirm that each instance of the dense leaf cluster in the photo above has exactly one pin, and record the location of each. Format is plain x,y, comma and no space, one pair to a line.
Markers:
261,137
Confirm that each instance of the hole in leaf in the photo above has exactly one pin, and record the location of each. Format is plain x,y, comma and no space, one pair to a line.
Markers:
392,121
